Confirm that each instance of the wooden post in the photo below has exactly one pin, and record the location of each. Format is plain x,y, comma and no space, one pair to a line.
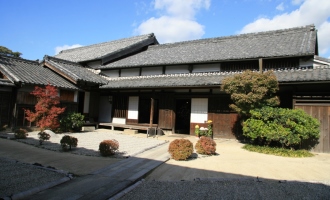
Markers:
260,65
151,112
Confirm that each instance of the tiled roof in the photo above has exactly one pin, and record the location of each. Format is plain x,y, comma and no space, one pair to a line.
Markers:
298,41
107,50
211,79
19,70
73,71
322,59
6,82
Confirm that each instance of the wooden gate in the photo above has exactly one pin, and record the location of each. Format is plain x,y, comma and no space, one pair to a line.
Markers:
322,113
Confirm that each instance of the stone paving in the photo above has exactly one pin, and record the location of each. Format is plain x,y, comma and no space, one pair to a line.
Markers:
88,142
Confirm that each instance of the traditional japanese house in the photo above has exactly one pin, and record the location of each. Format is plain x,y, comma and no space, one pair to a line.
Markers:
177,86
137,82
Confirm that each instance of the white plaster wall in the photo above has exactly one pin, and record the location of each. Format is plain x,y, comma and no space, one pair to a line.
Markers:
130,72
151,71
111,73
133,106
199,108
206,68
94,64
116,120
177,69
304,63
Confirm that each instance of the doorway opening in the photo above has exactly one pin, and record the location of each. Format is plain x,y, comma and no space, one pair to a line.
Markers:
144,111
182,119
81,99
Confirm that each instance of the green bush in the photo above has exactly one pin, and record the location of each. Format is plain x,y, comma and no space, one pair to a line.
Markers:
279,125
251,90
108,147
180,149
72,122
21,133
278,151
43,136
206,145
68,142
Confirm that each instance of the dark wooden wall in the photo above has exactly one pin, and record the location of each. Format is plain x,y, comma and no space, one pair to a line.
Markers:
25,100
120,106
5,108
322,113
166,118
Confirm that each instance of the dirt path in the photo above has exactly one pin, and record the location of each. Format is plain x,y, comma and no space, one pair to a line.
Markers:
234,162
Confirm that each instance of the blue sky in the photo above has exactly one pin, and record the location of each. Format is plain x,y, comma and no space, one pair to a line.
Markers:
42,27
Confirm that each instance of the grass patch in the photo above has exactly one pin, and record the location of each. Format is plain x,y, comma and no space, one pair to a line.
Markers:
278,151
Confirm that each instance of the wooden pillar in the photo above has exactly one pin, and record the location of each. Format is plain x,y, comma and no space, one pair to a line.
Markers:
152,112
13,120
260,65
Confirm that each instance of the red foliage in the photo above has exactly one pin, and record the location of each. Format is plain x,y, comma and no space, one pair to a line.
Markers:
205,145
46,111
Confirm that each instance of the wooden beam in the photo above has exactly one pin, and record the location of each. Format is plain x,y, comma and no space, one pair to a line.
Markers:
260,65
60,72
152,112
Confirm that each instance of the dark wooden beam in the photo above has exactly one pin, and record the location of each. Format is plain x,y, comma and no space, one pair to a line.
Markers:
260,65
60,72
152,112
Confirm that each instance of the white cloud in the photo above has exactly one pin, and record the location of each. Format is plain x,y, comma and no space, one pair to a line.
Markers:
297,2
324,37
171,29
64,47
182,9
280,7
177,21
310,12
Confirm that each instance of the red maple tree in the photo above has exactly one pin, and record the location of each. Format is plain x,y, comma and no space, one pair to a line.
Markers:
46,110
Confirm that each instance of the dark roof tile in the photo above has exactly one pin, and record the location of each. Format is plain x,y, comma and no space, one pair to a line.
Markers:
210,79
298,41
107,49
74,71
31,72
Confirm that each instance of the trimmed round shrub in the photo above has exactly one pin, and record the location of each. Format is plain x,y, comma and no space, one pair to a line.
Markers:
68,141
206,146
43,136
21,133
287,127
108,147
181,149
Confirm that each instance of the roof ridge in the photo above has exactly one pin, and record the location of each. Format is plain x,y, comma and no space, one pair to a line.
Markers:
171,75
310,27
199,74
105,43
20,59
60,60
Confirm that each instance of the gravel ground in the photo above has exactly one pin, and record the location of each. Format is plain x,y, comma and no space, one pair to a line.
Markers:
17,177
228,189
88,142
